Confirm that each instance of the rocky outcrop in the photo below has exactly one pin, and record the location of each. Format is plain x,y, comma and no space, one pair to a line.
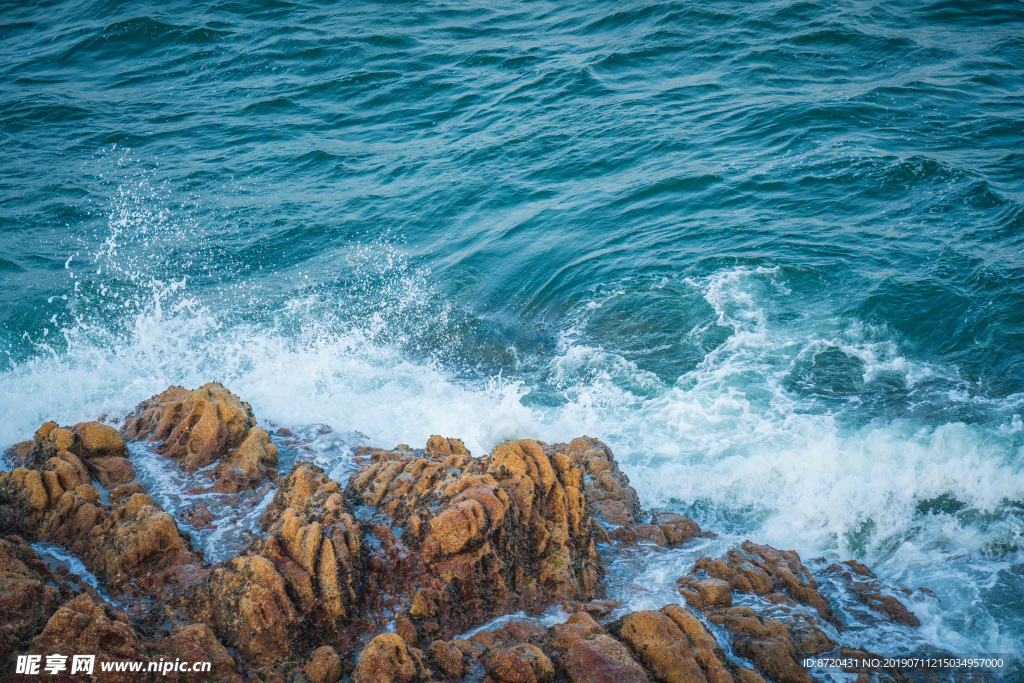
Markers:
791,619
324,666
761,570
29,594
457,540
98,447
296,587
374,578
869,593
388,659
83,626
669,645
433,541
128,539
615,504
205,426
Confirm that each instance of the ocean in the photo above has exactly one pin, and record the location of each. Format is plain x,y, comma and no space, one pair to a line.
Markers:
772,253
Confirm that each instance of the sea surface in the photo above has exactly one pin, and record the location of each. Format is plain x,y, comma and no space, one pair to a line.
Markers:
771,252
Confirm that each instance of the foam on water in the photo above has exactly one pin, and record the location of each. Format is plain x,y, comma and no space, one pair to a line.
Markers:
55,555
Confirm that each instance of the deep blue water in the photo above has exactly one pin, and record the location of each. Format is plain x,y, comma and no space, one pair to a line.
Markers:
772,252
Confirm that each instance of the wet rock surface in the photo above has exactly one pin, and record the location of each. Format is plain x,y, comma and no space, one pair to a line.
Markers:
385,576
205,426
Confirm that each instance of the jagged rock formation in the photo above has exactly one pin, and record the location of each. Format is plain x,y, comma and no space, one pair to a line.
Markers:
373,579
668,645
791,626
96,446
29,594
465,539
206,425
298,585
127,539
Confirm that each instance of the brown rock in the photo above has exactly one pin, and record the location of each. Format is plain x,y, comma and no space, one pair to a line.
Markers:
701,593
295,589
608,493
121,541
440,447
249,607
197,643
662,646
97,440
207,425
324,666
111,471
519,664
252,463
467,539
387,659
761,569
21,454
869,592
84,627
602,659
767,643
447,658
561,637
29,594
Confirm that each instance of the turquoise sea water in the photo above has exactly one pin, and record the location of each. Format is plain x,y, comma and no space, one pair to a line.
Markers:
773,253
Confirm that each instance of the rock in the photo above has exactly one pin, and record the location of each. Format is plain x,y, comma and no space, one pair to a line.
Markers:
869,592
662,646
702,593
198,516
29,594
602,659
466,539
56,439
577,627
21,454
447,659
439,447
519,664
615,503
97,440
92,447
608,493
209,424
111,471
768,643
84,627
298,587
761,569
599,609
248,466
247,603
717,668
677,648
197,643
324,666
387,659
125,541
